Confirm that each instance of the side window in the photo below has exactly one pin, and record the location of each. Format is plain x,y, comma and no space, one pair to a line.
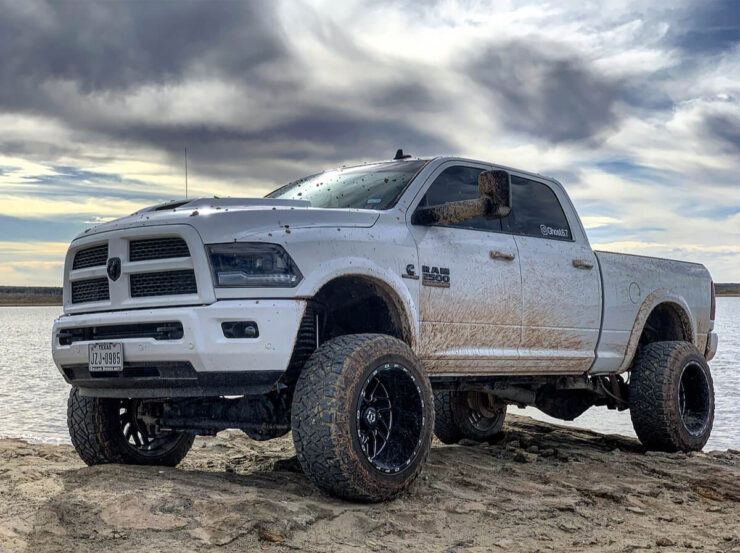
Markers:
535,211
454,184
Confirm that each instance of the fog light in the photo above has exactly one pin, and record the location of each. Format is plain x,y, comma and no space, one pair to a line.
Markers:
240,329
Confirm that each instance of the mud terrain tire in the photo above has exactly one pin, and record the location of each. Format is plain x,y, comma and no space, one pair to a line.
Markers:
348,385
455,419
671,397
445,428
96,431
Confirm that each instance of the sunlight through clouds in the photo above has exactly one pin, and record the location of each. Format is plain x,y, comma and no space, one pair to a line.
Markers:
634,107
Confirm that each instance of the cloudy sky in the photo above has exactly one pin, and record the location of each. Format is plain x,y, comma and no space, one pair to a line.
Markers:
634,106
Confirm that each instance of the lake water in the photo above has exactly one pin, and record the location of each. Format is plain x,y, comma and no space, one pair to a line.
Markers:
33,395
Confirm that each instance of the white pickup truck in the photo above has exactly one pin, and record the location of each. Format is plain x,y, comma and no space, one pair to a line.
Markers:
367,308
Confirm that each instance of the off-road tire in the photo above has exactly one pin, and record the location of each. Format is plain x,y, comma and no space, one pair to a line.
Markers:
452,420
326,421
655,404
95,430
445,428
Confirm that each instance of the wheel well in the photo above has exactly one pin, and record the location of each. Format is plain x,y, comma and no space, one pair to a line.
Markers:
359,304
346,305
666,322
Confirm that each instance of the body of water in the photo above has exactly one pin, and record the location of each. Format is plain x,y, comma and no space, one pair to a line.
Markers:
33,395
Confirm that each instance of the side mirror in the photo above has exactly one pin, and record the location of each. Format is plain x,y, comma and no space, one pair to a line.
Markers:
494,200
496,187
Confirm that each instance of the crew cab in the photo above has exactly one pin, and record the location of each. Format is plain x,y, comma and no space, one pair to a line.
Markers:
366,308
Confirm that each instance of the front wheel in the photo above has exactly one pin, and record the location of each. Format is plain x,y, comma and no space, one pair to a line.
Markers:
671,397
106,430
362,417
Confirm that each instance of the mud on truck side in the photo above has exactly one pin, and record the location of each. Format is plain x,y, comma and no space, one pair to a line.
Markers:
367,308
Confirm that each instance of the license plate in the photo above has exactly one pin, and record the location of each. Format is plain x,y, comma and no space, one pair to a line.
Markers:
105,356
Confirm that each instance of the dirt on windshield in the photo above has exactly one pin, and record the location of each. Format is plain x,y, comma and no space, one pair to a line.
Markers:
543,488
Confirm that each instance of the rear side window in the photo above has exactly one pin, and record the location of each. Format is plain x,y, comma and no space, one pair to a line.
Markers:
454,184
535,211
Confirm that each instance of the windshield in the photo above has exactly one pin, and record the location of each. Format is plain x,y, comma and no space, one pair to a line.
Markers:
372,186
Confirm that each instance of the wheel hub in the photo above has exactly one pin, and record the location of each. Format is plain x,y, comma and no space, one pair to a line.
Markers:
139,434
484,413
371,417
694,402
390,418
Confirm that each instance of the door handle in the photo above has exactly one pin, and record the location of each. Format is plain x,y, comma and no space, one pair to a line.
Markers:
582,264
495,254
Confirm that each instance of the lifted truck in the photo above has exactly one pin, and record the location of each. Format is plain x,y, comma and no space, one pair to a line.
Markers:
365,308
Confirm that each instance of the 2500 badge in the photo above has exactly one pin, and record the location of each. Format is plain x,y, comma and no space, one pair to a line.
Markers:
435,276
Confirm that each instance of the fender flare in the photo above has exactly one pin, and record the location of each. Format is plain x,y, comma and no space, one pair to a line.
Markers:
364,268
653,300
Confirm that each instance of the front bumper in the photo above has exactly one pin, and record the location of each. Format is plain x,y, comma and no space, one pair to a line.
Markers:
203,362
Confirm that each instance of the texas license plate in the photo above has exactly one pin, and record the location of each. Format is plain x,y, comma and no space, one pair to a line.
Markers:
105,356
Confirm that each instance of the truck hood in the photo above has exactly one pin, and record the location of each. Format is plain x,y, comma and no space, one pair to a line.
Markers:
229,219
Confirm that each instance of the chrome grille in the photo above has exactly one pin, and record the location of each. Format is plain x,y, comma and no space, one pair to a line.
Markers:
157,248
167,283
91,257
94,289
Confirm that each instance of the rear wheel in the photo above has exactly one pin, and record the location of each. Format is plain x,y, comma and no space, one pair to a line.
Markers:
106,430
671,397
472,415
362,417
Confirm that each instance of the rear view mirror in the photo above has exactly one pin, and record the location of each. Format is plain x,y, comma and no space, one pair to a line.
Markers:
494,200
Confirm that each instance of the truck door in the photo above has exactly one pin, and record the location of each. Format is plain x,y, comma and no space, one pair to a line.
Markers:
561,289
470,299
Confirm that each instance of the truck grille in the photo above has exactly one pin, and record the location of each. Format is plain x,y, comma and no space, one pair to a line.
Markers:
159,331
91,257
157,248
167,283
161,265
95,289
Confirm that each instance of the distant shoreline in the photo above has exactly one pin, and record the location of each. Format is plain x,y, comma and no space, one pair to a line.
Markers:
30,296
727,289
45,296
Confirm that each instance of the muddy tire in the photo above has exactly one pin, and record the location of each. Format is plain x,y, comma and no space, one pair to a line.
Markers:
671,397
467,415
106,431
445,428
362,417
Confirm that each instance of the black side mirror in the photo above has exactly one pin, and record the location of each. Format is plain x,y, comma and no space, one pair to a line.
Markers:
494,200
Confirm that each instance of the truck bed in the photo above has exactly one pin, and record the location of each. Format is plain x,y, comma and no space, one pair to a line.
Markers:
632,286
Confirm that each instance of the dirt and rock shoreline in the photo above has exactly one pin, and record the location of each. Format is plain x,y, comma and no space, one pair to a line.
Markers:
542,488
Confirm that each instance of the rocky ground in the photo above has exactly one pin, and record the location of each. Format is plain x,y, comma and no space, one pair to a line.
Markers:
543,488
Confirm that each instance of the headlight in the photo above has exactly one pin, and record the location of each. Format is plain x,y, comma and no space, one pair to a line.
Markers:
250,264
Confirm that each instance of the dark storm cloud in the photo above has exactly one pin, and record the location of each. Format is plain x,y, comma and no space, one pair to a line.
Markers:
106,50
549,95
104,46
706,27
229,152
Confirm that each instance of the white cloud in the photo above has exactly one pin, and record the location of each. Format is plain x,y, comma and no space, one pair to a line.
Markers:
674,194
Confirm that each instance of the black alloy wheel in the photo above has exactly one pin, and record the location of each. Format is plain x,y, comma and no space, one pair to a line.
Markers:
390,413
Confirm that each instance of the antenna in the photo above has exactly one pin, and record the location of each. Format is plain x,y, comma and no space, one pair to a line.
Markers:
186,173
400,155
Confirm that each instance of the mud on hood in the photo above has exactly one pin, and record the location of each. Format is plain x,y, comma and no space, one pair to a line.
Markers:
227,219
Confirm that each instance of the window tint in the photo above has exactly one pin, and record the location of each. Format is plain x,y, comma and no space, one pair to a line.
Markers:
455,184
535,211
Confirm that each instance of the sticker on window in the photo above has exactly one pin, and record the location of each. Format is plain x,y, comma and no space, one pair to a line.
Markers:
371,203
549,231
